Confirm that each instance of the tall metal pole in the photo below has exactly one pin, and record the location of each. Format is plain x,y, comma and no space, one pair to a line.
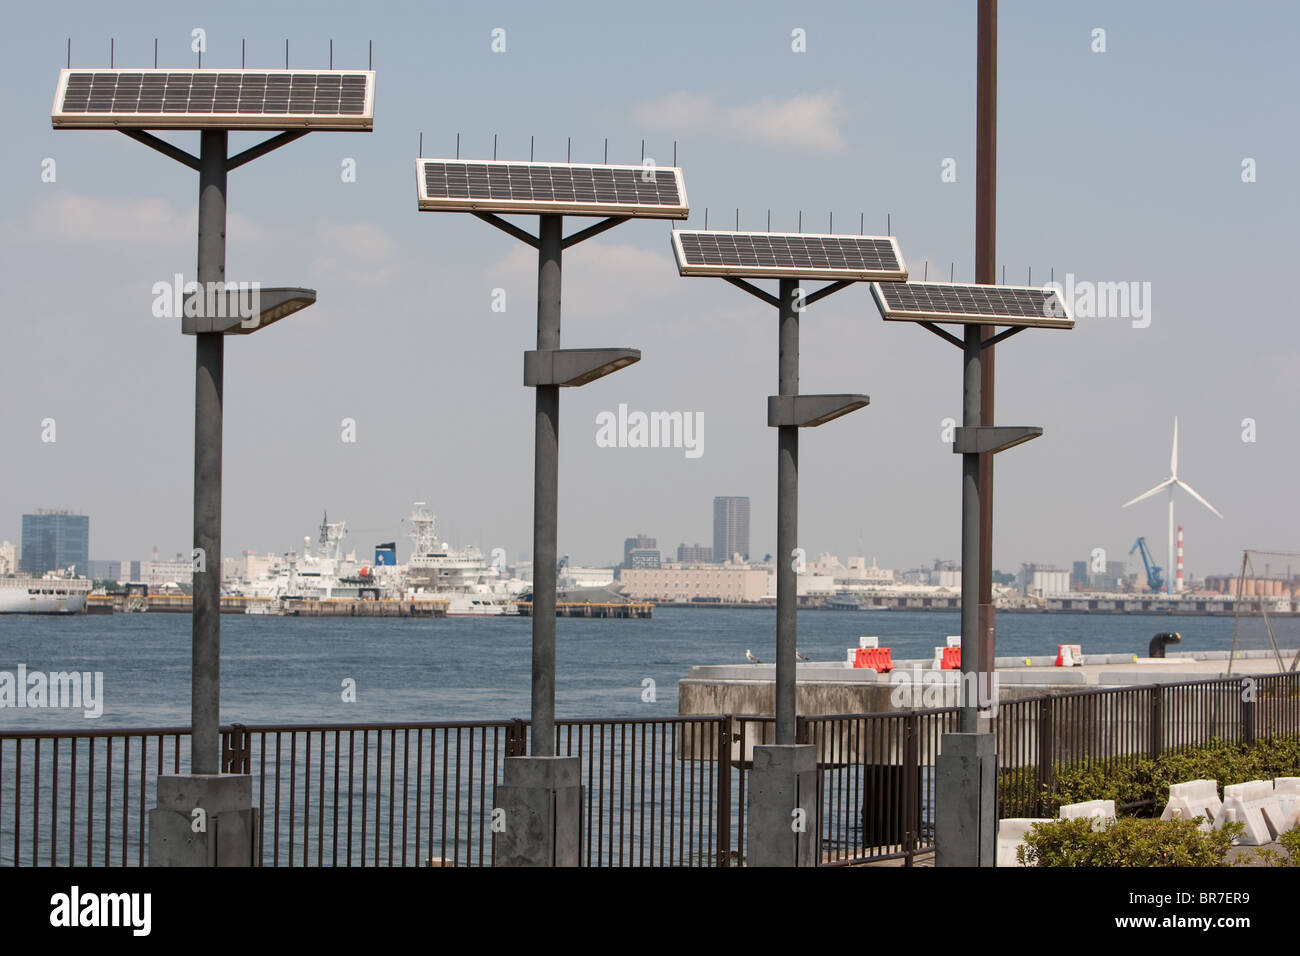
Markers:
205,688
986,183
787,520
971,534
546,477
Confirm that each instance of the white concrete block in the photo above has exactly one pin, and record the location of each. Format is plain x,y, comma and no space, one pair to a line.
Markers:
1254,805
1099,811
1194,800
1287,791
1011,834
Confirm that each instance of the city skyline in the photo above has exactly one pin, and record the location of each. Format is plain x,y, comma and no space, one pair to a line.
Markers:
99,400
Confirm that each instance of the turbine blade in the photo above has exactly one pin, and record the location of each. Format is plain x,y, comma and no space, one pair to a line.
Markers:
1188,488
1173,458
1160,487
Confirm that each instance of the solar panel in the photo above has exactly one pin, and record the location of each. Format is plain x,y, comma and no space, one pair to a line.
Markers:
787,255
972,304
575,189
223,99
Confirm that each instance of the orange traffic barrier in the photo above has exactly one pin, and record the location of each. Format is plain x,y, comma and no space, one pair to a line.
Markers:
951,660
879,659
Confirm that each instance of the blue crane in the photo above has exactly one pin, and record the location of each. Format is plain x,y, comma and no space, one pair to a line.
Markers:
1154,580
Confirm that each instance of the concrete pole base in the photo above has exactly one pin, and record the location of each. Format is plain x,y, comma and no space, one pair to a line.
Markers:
542,800
783,825
966,801
223,834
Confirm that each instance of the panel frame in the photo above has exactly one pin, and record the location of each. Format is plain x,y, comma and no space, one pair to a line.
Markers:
1065,321
233,121
427,203
782,272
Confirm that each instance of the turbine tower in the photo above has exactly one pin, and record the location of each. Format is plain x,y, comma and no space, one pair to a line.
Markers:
1172,482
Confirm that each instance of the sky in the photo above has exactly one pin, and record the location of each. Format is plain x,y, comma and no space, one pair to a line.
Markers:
1155,152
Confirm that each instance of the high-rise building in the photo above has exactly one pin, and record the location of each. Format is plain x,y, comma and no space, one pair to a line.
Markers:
640,543
644,558
730,528
54,540
8,559
697,554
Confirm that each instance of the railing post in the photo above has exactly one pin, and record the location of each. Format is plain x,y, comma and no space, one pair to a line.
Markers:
911,776
1157,732
1248,719
1046,751
723,758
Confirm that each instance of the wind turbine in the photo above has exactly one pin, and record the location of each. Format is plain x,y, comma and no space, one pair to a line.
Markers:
1172,482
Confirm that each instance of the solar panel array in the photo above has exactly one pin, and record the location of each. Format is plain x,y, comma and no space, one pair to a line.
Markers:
787,255
972,304
578,189
230,99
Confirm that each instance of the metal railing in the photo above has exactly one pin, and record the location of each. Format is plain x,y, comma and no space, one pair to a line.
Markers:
662,792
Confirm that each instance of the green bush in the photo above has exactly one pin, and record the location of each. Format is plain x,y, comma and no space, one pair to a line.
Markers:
1142,779
1291,843
1126,842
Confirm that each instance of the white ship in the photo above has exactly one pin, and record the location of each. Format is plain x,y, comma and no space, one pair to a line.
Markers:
471,585
327,573
53,593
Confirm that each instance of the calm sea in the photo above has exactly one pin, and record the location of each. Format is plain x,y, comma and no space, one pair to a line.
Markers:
293,669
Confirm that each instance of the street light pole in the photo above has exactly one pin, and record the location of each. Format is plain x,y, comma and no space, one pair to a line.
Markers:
787,519
546,477
205,688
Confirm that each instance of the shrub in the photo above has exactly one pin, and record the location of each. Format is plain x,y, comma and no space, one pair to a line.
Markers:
1126,842
1145,780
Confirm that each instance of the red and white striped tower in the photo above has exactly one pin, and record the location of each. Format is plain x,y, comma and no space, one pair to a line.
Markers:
1179,585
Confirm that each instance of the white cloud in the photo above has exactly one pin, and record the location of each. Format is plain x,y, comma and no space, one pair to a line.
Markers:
805,121
145,223
355,254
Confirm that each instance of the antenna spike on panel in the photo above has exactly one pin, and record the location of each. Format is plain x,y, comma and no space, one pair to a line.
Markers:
569,153
889,225
110,53
1030,280
800,220
331,53
674,152
494,146
642,152
952,271
420,153
706,217
370,55
155,46
830,224
458,145
532,148
243,54
769,220
737,219
607,149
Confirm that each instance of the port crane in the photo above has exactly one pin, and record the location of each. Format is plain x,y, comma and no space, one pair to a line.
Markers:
1154,580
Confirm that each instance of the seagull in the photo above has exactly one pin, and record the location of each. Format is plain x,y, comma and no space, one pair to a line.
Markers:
799,655
749,656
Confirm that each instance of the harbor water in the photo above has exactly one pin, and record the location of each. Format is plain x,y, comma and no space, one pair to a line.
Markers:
282,670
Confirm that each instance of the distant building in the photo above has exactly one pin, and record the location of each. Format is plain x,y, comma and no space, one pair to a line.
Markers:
643,558
641,542
104,570
54,540
730,528
157,574
1079,576
8,559
720,585
694,554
